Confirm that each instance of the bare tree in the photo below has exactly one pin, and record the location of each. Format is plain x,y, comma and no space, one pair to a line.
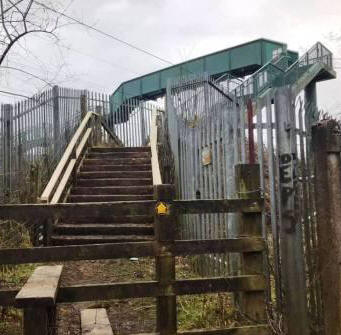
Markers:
19,18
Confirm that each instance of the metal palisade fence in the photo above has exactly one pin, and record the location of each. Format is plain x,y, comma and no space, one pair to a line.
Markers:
211,131
35,132
33,135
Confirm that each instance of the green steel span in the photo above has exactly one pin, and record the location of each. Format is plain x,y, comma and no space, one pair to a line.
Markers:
238,61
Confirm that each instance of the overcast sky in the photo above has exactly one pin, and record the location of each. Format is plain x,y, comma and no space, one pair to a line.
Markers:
175,30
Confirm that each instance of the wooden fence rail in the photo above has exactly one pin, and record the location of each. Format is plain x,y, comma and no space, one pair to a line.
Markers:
166,246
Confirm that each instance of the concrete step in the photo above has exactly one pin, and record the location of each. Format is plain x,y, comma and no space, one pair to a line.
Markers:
106,198
118,154
114,174
114,182
113,190
116,161
92,239
119,168
104,229
120,149
138,219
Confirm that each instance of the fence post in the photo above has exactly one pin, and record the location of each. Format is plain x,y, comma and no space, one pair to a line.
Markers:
291,240
98,136
165,234
8,133
56,121
39,320
326,142
84,104
252,304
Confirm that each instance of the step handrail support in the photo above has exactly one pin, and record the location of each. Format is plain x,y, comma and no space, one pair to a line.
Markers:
67,164
157,180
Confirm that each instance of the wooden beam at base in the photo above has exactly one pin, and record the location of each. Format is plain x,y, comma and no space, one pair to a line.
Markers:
95,322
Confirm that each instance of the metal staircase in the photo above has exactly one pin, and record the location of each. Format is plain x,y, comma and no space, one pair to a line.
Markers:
316,64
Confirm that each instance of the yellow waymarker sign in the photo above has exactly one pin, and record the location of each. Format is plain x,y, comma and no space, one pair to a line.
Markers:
162,209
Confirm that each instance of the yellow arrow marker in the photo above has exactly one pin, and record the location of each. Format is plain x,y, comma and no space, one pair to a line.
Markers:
162,208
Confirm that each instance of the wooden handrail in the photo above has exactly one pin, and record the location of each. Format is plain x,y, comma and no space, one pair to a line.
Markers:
70,153
153,145
61,175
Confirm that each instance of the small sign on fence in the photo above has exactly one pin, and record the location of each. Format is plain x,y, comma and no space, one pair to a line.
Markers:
206,156
162,208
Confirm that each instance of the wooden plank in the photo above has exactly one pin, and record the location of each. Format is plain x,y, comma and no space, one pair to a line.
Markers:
94,292
61,186
218,206
126,250
41,288
47,193
252,283
153,145
197,247
247,330
261,329
77,252
117,208
79,293
95,322
24,211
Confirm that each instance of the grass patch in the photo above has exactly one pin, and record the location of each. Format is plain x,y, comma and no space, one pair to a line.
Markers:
206,311
13,235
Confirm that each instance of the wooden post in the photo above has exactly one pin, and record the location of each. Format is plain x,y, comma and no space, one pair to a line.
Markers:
165,234
8,133
291,239
97,128
56,120
84,105
38,300
39,321
248,187
326,140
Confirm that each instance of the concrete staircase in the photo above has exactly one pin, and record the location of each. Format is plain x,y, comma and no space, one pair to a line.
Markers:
109,174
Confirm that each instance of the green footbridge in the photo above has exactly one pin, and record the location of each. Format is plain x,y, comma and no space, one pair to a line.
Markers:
265,64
